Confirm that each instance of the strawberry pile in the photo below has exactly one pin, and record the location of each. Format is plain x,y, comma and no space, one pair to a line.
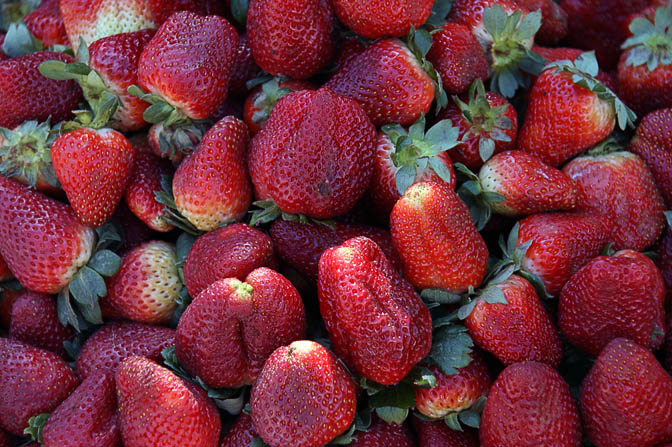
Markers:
307,223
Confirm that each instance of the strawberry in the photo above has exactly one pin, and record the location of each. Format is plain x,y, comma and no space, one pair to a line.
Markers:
303,397
180,412
554,20
87,418
569,110
163,9
376,322
436,239
488,124
175,142
438,434
383,434
27,95
373,19
134,231
348,50
39,381
147,285
626,398
212,187
46,25
244,69
233,251
34,320
241,434
113,342
619,186
564,53
313,157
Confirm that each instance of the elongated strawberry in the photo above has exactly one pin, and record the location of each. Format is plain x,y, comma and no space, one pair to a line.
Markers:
241,434
375,18
626,398
438,434
376,322
282,407
436,239
46,24
39,381
381,433
34,320
554,20
181,413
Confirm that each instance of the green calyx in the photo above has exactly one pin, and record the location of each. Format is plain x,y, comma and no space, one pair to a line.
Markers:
416,148
26,153
419,42
182,248
511,59
35,427
268,211
271,92
170,213
178,140
651,43
19,41
477,199
160,110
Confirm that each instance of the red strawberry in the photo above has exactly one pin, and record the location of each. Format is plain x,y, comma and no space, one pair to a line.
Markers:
87,418
436,239
163,9
303,397
233,251
39,381
530,405
564,53
46,25
314,156
470,14
294,39
211,187
619,186
175,142
377,18
348,50
34,320
241,434
7,298
382,434
157,408
626,398
244,69
554,20
438,434
5,273
376,322
113,342
27,95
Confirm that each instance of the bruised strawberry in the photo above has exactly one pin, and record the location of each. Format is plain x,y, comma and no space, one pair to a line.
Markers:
46,25
303,397
383,434
376,322
373,19
438,434
241,434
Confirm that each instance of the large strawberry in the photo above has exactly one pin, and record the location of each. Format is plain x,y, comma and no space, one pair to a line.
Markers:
46,25
241,434
378,18
383,434
303,397
438,434
159,409
626,398
530,405
34,320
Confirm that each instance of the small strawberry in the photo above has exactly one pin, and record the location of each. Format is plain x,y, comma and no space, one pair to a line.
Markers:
241,434
626,398
244,69
373,19
303,397
159,409
554,20
46,25
438,434
383,434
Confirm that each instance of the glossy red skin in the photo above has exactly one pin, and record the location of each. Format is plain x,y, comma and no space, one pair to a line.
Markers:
188,62
233,251
562,244
388,82
315,154
255,125
382,434
642,90
39,381
46,25
373,19
614,296
42,241
25,94
458,57
554,20
303,397
301,245
348,50
241,434
470,14
7,298
115,341
87,418
621,187
626,398
244,68
376,322
227,333
530,405
653,143
295,39
34,320
565,53
162,9
518,331
180,412
93,168
438,434
467,153
436,239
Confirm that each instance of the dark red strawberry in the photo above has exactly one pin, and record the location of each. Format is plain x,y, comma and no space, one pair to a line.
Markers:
376,322
348,50
383,434
241,434
554,20
34,320
438,434
46,25
379,18
244,69
7,298
134,231
163,9
303,397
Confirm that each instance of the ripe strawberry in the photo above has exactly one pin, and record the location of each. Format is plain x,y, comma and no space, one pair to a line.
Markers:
626,398
87,418
564,53
376,322
314,156
27,95
382,434
241,434
212,187
348,50
39,381
93,167
244,69
438,434
46,25
437,241
303,397
113,342
163,9
569,111
374,19
554,20
147,285
157,408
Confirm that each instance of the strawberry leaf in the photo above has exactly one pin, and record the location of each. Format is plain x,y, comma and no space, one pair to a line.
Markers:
105,262
392,415
405,177
239,11
66,313
35,426
421,377
440,296
19,41
451,349
401,395
651,43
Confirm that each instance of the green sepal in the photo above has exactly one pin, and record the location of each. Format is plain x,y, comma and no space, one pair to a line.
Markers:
19,41
421,377
439,296
440,11
392,415
471,417
239,11
35,426
361,423
270,95
651,43
11,284
170,212
258,442
419,42
268,211
451,348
